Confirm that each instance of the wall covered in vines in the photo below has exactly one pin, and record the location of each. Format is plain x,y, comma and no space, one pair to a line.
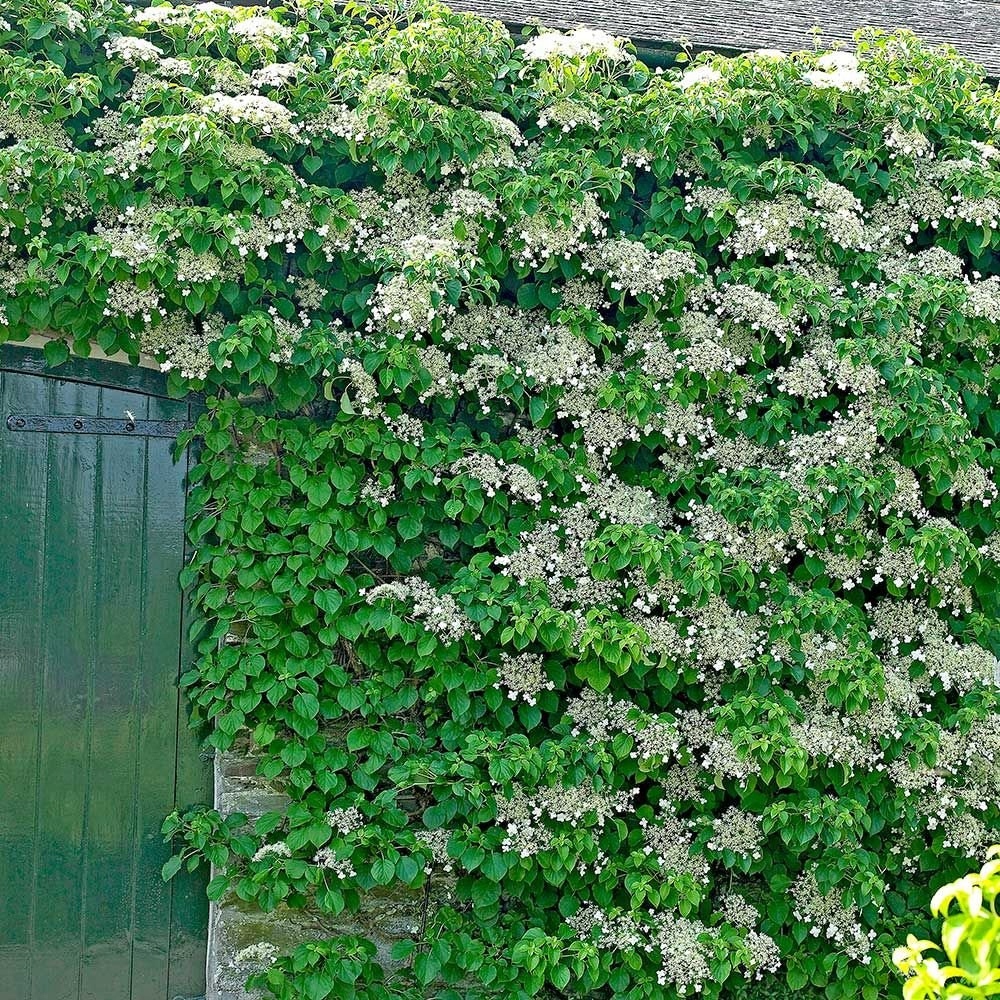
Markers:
595,521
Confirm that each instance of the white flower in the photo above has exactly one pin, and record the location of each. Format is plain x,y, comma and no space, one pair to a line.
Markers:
133,50
253,110
698,75
847,80
831,61
769,54
261,27
175,67
576,44
74,19
838,71
160,15
276,850
986,150
275,74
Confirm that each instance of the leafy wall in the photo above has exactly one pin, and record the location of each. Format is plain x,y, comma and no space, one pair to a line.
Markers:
595,527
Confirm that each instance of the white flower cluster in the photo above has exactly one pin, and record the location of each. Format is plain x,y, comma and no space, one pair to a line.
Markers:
345,820
745,305
132,51
738,831
278,850
617,931
185,346
579,43
523,676
255,957
340,868
838,71
683,946
522,814
275,74
251,109
699,76
683,951
408,306
569,114
495,474
542,239
377,493
909,143
670,843
437,613
255,29
125,299
826,916
436,843
633,268
655,737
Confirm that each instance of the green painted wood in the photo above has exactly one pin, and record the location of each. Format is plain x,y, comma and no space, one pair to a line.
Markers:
30,360
94,744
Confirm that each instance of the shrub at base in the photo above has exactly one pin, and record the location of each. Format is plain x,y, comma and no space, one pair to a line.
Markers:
970,940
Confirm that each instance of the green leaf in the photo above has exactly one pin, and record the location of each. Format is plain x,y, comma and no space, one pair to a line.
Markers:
217,887
306,705
407,869
320,534
56,352
328,601
494,867
383,871
171,867
409,527
319,494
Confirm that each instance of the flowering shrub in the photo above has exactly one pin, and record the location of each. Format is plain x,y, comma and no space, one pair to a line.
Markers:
595,528
970,936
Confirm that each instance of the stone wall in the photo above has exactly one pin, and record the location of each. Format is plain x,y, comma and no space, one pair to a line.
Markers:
387,915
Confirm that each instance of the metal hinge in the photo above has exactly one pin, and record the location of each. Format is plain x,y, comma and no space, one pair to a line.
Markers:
129,427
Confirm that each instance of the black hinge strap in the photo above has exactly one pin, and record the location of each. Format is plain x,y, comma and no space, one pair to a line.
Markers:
96,425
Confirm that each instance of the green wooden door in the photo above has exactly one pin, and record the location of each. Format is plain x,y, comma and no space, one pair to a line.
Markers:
94,746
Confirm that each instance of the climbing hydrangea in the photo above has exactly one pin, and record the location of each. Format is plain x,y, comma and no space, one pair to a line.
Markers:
595,530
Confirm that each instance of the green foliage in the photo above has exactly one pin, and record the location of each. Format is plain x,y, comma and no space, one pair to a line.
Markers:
341,967
593,527
970,938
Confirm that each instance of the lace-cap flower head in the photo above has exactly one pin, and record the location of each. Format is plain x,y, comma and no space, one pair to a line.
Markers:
579,43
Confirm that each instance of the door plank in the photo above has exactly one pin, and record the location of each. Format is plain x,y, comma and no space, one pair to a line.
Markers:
110,869
192,784
163,543
22,554
66,664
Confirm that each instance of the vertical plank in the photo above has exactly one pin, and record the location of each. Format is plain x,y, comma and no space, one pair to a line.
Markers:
193,782
157,750
67,622
109,879
22,524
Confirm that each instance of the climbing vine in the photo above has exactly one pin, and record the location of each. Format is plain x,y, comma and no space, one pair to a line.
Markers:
594,530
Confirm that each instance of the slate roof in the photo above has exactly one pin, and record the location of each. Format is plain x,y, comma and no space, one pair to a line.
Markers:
972,26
